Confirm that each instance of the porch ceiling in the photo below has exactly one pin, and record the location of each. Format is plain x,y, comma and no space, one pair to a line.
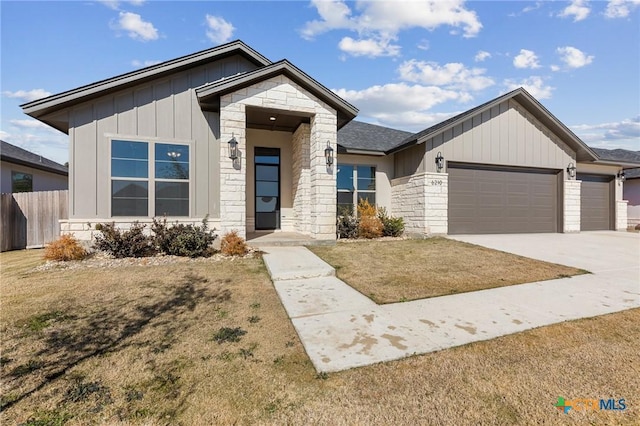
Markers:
273,119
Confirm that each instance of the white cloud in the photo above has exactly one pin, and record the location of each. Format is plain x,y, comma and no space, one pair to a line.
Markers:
621,130
397,98
115,4
219,31
424,44
27,95
528,9
453,76
578,9
146,63
136,27
574,58
620,8
368,47
526,59
554,68
534,85
481,56
38,138
31,124
383,20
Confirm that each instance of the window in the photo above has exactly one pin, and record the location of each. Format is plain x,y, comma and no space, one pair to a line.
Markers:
21,182
355,183
149,177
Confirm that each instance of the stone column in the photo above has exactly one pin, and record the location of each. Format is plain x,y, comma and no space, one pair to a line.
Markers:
233,176
323,178
571,222
436,192
301,191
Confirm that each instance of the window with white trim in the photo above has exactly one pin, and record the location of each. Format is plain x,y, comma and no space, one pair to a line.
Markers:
149,177
355,183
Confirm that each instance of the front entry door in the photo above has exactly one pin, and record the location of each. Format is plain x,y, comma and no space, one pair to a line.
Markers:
267,189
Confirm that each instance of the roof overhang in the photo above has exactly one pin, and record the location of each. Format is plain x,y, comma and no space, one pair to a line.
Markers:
583,152
37,166
209,94
621,164
41,108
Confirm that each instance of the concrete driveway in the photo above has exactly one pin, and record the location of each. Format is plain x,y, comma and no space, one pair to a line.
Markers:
341,328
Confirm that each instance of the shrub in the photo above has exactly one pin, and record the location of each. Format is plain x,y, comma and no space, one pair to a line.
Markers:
131,243
65,248
391,226
370,226
233,245
347,224
183,240
637,228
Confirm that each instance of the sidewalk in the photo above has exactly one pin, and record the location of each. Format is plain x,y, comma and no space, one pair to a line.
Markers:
340,328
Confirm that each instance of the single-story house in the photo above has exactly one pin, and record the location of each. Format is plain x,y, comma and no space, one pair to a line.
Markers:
24,171
257,145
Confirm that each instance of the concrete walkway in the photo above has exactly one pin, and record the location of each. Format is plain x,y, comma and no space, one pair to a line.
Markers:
341,328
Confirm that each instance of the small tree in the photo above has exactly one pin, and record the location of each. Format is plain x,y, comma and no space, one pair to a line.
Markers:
370,225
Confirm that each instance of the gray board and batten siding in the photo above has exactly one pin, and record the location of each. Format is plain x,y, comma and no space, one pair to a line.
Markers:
163,110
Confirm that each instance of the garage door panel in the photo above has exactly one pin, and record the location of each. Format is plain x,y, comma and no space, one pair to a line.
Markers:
483,200
595,202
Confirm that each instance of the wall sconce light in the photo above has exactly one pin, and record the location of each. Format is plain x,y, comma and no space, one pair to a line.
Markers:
233,148
571,170
439,161
328,154
621,175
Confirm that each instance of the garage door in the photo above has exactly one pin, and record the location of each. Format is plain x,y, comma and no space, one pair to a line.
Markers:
486,200
595,202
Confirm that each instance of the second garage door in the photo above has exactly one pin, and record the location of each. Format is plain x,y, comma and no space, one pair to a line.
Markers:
595,202
485,200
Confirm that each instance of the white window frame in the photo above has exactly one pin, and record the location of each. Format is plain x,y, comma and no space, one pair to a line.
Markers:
151,178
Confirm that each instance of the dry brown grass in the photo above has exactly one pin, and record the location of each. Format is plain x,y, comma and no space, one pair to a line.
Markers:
135,346
395,271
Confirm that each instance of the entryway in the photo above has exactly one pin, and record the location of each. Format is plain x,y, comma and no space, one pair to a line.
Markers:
267,188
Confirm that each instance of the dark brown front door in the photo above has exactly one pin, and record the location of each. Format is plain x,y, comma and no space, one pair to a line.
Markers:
267,188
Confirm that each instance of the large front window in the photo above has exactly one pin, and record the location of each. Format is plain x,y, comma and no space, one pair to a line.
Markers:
355,183
149,177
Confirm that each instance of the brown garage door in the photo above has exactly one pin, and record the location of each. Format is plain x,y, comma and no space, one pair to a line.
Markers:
485,200
595,202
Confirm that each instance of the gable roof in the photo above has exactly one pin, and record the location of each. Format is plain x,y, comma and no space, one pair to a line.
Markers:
583,152
358,137
16,155
39,108
209,94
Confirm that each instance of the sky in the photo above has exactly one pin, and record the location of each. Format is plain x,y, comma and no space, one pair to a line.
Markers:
404,64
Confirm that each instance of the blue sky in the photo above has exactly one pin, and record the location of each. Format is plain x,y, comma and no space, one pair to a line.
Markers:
405,65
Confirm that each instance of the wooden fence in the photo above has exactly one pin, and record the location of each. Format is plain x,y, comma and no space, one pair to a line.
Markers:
30,219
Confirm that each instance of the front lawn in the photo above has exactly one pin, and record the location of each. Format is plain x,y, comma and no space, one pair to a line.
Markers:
395,271
154,345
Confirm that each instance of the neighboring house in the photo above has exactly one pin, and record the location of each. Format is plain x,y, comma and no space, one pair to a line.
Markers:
631,188
24,171
158,141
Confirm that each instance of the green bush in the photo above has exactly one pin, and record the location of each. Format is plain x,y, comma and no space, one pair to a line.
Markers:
391,226
183,240
347,224
120,244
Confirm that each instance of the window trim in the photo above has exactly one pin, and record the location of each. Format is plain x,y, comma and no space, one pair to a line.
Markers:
15,172
357,191
151,176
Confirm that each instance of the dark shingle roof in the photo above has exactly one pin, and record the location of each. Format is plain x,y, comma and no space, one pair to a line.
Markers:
357,135
623,155
14,154
632,173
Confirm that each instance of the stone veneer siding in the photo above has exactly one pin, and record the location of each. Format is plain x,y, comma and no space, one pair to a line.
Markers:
283,94
571,206
301,190
422,201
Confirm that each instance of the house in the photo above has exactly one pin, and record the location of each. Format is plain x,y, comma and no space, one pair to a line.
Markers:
24,171
261,146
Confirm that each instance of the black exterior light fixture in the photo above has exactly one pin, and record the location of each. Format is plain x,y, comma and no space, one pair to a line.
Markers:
621,175
571,170
328,154
233,148
439,161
